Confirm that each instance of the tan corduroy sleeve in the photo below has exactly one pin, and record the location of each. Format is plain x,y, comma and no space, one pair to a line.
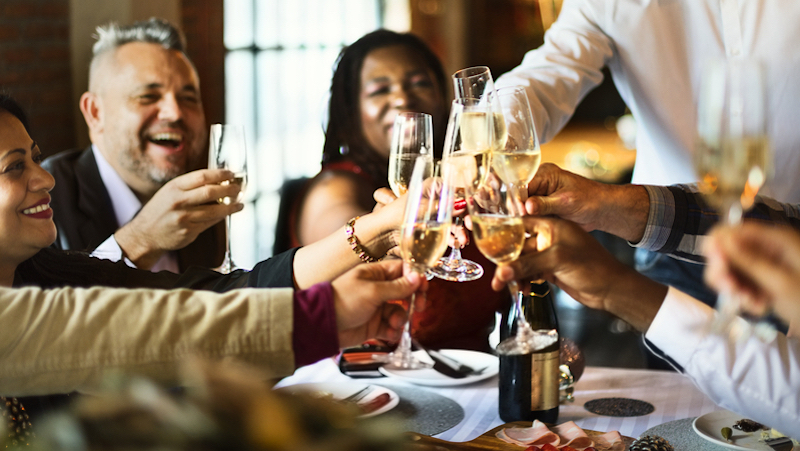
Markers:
58,341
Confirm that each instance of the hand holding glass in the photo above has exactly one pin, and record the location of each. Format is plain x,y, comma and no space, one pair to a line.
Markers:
732,155
227,150
496,210
423,239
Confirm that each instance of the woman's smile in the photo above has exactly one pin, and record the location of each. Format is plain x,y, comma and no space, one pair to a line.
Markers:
40,210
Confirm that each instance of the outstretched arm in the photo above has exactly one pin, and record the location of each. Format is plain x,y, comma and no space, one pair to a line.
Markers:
580,266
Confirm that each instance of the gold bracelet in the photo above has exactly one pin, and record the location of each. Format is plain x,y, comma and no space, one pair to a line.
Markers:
354,244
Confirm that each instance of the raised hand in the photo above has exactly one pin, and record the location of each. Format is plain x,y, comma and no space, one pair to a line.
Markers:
178,212
563,254
360,297
760,264
617,209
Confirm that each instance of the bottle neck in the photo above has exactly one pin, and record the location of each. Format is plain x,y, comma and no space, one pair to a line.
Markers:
539,306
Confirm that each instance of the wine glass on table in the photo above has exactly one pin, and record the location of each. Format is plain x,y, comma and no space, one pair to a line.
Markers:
496,209
732,153
227,150
423,238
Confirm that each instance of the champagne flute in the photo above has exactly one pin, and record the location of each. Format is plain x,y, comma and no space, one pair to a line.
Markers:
496,210
453,267
518,160
423,238
473,83
412,137
732,155
227,150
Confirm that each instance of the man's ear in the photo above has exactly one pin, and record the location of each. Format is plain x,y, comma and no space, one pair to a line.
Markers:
91,105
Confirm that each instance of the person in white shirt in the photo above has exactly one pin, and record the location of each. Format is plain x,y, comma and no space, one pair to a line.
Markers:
656,52
757,379
758,262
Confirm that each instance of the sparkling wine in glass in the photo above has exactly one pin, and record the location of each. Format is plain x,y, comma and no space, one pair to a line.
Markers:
412,137
227,150
496,210
423,239
517,161
474,86
732,155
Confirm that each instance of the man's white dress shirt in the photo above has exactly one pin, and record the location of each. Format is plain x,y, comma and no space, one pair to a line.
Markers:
655,50
759,380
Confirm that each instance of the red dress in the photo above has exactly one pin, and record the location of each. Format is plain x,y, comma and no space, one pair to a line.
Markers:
459,314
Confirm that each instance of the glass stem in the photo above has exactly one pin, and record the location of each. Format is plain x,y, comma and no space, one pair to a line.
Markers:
407,328
227,262
454,259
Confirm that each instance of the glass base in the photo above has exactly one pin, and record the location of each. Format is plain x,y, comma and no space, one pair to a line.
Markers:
527,341
402,359
227,265
466,271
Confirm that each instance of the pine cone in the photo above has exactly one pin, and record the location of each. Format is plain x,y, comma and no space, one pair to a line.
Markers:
651,443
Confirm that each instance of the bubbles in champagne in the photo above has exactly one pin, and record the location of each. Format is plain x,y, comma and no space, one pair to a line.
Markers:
421,244
500,238
401,166
238,179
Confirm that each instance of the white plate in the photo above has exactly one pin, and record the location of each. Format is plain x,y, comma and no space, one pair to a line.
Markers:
429,376
709,427
343,390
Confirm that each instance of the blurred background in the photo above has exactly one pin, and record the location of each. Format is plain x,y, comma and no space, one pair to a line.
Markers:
267,64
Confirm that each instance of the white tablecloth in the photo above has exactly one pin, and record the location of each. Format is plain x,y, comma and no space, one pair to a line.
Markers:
673,395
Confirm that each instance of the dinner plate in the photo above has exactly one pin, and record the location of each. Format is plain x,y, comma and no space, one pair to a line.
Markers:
429,376
340,390
709,427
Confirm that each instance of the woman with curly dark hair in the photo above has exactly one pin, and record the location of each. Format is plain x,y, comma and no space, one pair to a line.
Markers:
377,77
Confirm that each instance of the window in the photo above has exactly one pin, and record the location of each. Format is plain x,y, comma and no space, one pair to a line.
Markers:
279,62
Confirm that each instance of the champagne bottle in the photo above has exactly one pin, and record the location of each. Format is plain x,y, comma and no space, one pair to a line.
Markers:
529,383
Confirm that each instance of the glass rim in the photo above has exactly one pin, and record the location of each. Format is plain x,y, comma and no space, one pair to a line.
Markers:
473,71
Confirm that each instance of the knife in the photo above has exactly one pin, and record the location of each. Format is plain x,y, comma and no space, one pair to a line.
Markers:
446,365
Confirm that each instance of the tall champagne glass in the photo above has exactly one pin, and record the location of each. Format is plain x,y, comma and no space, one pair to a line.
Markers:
518,160
495,208
473,82
423,238
412,137
475,86
227,150
732,155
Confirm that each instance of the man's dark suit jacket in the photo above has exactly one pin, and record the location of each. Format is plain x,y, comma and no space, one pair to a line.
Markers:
84,215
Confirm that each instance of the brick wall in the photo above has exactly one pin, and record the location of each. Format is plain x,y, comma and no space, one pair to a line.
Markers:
202,25
35,64
35,67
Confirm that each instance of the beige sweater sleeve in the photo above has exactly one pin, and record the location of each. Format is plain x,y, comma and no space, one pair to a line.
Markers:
62,340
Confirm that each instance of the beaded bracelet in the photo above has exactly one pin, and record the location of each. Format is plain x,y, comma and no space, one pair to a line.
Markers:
354,244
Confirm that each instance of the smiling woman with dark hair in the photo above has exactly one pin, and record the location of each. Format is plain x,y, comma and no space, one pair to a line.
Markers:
378,76
56,341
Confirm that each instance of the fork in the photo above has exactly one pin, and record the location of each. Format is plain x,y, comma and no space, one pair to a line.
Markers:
359,395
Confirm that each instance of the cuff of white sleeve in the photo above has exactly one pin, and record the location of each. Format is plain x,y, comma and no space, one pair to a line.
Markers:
680,325
110,250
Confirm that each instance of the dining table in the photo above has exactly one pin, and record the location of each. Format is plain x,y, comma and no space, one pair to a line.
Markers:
673,396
